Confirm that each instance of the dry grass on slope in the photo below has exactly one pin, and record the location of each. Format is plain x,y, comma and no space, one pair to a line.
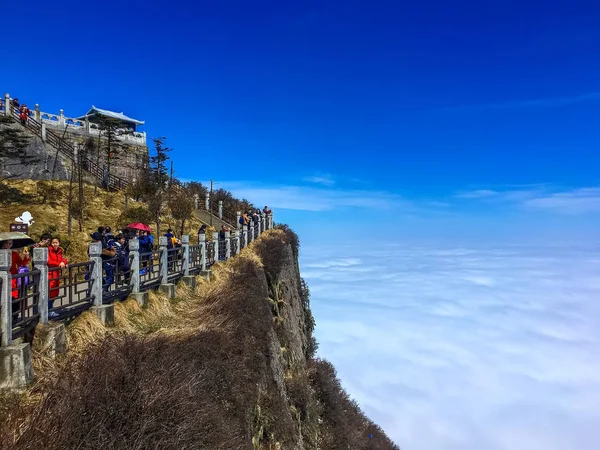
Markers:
183,374
102,208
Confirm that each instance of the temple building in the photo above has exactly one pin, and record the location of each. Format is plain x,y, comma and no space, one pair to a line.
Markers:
95,116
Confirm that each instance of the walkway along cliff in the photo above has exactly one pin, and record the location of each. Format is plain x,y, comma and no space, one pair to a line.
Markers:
228,364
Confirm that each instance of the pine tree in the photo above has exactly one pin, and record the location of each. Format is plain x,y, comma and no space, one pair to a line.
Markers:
110,145
158,179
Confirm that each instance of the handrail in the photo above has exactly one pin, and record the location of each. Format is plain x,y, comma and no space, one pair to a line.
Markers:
71,290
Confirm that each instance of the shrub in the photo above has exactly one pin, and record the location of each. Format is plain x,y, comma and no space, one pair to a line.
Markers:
49,192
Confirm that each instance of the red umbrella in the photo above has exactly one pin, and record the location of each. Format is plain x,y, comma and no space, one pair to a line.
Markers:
139,226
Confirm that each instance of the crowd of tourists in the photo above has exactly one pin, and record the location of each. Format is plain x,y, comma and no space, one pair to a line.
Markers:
251,218
114,255
115,259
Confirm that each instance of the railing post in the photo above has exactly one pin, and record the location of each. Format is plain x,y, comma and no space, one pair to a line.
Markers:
7,105
207,202
164,260
245,236
185,242
220,209
38,114
95,252
251,231
168,289
6,297
270,221
215,243
134,251
40,261
227,245
61,119
16,371
196,198
264,222
202,242
237,219
43,134
237,242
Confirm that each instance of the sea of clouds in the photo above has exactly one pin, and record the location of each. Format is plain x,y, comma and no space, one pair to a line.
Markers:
463,347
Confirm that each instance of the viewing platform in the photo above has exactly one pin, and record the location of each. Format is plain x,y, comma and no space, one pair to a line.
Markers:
87,124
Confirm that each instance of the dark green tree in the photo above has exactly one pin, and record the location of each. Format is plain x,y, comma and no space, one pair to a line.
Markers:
110,145
158,180
181,203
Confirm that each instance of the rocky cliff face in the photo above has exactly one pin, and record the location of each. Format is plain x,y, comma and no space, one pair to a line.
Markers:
229,366
43,158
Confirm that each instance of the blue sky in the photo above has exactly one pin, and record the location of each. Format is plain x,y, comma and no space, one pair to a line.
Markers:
440,125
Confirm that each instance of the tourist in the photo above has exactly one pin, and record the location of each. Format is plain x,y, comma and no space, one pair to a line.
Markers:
146,246
266,210
24,114
256,219
170,238
55,260
19,260
224,230
123,257
109,237
250,219
244,221
19,264
107,254
44,241
15,103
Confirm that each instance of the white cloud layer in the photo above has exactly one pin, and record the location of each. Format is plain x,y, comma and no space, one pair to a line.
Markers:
308,198
465,348
323,179
575,201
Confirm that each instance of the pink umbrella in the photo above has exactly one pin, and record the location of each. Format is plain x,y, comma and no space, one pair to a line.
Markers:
139,226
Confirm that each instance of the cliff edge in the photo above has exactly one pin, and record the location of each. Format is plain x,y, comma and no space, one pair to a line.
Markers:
230,365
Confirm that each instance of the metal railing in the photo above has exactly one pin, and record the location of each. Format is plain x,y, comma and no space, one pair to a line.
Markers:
149,269
115,279
25,293
76,287
196,258
175,263
70,289
210,254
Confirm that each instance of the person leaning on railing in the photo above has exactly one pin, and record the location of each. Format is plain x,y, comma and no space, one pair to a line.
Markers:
55,259
19,263
107,253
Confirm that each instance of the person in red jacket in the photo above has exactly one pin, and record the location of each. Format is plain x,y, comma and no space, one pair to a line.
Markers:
19,259
55,259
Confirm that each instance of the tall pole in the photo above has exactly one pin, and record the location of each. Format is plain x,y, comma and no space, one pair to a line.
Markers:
210,203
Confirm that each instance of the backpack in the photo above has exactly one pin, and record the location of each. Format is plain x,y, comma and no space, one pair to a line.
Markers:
23,281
